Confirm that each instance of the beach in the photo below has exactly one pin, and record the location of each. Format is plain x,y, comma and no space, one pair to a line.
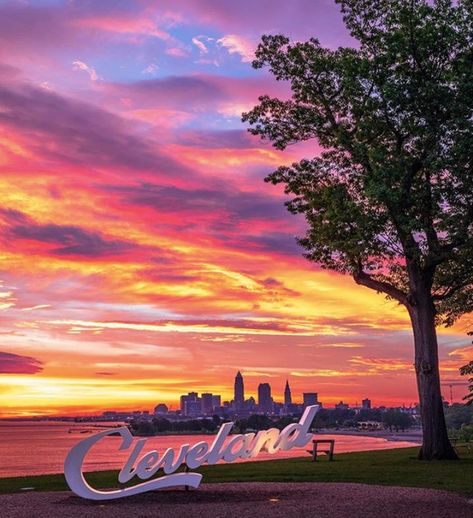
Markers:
414,436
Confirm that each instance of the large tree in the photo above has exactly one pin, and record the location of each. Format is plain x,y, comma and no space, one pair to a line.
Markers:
390,200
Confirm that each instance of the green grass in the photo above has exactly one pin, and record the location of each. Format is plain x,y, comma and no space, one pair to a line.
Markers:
397,467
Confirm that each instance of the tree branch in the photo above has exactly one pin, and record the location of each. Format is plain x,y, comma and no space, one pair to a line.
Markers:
367,280
450,291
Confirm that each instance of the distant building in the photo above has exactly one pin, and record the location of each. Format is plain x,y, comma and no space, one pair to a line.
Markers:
292,409
207,403
239,391
341,406
161,409
216,401
265,401
366,404
193,408
370,425
309,398
287,394
250,404
190,401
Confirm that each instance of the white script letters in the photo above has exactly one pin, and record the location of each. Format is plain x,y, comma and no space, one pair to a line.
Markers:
144,467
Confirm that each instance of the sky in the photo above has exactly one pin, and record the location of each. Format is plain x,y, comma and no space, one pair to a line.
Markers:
142,254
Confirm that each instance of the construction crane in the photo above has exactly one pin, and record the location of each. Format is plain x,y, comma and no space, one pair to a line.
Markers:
451,384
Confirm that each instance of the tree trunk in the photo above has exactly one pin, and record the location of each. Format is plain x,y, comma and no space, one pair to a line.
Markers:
436,444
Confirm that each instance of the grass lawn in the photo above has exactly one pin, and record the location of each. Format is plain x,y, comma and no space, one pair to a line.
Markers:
397,467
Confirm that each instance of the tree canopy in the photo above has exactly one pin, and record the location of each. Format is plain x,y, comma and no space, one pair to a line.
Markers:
391,195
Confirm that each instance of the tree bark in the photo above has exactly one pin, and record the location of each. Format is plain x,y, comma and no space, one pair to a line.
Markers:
436,444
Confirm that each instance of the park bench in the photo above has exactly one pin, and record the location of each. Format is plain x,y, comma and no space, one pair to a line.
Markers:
328,449
467,448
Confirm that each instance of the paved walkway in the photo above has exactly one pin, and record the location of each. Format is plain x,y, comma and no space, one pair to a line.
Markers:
255,499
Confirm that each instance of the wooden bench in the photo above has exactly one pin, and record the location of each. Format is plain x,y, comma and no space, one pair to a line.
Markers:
467,447
315,448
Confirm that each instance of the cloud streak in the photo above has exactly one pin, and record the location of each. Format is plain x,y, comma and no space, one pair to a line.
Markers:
16,364
74,132
67,240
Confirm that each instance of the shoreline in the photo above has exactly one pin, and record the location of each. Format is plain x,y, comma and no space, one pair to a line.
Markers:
407,436
413,436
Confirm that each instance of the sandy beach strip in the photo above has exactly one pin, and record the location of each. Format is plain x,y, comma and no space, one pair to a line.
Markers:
273,500
413,436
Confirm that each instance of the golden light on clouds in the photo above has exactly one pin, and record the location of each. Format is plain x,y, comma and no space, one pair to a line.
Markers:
142,255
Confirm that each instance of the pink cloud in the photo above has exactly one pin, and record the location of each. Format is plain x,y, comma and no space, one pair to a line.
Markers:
62,240
122,23
80,65
78,133
17,364
266,16
177,52
238,45
197,92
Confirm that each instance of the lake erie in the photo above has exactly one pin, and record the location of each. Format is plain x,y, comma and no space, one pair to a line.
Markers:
40,447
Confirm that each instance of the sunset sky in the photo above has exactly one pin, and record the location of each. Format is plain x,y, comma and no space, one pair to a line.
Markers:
142,255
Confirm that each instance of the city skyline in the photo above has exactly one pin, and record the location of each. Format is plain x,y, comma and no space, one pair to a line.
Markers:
208,404
261,401
142,254
202,403
193,405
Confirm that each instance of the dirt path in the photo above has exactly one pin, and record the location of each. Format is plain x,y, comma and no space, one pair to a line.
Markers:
256,499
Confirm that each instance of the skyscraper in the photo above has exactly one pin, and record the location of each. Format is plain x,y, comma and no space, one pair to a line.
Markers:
239,392
287,394
265,401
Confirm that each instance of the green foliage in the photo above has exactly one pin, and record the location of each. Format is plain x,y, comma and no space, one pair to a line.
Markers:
465,370
262,422
332,418
160,425
397,420
390,200
464,434
457,415
259,422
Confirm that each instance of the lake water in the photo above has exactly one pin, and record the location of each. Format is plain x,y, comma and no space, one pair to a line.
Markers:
36,448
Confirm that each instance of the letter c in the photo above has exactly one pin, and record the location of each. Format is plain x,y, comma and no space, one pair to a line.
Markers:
78,484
